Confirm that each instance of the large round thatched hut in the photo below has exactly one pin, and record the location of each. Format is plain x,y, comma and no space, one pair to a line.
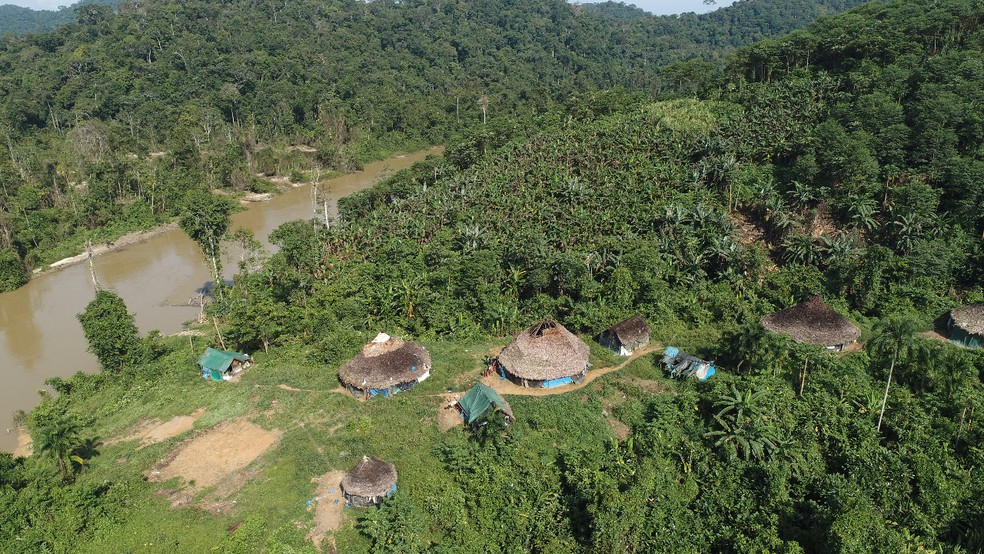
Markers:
385,366
967,326
545,355
813,322
369,483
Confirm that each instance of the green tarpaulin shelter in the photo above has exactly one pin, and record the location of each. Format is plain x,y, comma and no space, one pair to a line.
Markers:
478,401
215,362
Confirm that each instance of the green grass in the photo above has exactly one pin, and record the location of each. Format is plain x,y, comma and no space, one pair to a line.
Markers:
323,430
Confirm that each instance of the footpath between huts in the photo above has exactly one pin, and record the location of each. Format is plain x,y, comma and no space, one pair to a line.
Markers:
506,387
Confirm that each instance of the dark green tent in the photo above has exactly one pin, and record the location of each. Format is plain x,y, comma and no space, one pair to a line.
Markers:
478,401
215,362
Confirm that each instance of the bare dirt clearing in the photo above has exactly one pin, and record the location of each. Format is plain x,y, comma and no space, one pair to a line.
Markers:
327,505
154,431
208,458
25,446
448,417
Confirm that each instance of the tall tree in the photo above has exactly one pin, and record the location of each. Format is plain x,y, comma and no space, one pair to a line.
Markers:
895,339
205,218
58,434
111,332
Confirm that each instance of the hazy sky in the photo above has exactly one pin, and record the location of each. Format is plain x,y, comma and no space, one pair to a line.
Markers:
653,6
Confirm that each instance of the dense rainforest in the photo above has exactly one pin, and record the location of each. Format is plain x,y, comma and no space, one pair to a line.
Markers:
17,20
843,159
107,123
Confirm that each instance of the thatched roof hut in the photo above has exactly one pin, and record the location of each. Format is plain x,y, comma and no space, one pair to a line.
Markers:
545,355
625,336
967,325
813,322
369,482
384,364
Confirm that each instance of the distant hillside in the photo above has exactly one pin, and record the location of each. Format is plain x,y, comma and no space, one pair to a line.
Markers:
18,20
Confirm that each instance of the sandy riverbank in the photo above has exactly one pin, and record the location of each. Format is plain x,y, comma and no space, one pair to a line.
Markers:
99,249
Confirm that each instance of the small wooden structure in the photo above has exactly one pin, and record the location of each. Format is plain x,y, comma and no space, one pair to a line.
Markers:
813,322
626,336
221,365
476,405
369,483
967,326
386,366
545,355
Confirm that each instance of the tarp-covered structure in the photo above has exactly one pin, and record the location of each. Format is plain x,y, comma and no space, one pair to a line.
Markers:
369,482
967,326
385,366
682,365
813,322
479,401
217,365
626,336
545,355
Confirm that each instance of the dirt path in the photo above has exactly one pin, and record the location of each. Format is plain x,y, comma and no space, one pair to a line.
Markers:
504,386
327,504
154,431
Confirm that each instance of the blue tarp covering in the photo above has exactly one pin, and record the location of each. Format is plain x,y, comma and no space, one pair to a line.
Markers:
557,382
376,392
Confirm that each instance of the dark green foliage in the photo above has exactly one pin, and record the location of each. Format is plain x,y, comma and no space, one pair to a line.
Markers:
12,271
111,333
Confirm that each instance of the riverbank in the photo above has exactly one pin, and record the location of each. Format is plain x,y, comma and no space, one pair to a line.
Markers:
120,243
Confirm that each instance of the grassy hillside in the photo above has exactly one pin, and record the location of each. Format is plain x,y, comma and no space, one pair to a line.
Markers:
817,168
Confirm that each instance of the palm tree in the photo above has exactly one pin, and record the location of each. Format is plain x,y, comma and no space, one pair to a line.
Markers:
896,336
59,434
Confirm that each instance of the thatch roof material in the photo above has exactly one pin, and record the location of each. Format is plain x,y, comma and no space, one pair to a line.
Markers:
631,331
970,318
813,322
385,362
545,351
371,477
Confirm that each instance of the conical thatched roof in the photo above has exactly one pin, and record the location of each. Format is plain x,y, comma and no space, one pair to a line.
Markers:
545,351
813,322
385,362
631,331
970,318
371,477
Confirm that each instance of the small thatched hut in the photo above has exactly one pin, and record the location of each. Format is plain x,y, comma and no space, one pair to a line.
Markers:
385,366
545,355
369,483
967,326
625,336
813,322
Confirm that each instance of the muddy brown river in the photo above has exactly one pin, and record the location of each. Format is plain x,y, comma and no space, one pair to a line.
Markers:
40,336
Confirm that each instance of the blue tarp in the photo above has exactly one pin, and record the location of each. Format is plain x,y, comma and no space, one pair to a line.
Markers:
557,382
376,392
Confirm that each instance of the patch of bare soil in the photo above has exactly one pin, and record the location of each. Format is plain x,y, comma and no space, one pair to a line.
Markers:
25,446
327,505
154,431
206,459
619,429
504,386
748,232
935,335
447,416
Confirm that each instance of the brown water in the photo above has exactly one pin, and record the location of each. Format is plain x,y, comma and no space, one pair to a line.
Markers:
40,336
